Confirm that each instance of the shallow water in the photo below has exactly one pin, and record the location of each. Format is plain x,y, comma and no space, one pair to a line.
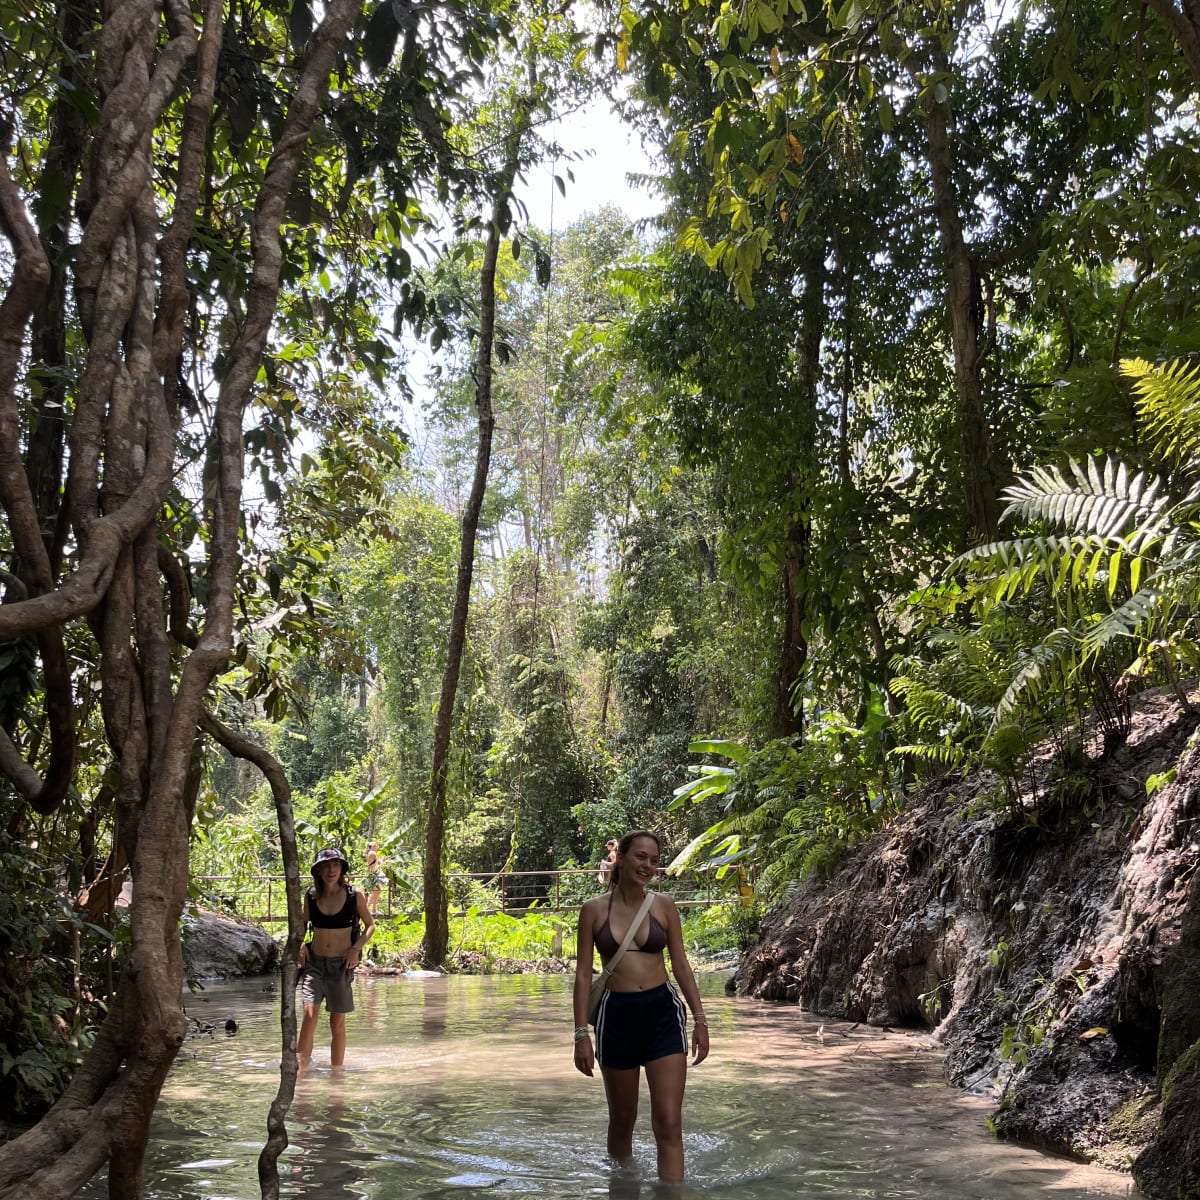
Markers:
464,1086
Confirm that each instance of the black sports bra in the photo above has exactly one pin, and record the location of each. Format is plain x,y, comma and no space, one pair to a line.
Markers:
607,944
342,919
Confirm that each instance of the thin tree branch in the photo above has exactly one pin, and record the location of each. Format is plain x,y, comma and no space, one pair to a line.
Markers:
277,1138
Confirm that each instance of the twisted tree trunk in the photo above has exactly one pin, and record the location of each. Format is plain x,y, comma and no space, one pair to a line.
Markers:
132,294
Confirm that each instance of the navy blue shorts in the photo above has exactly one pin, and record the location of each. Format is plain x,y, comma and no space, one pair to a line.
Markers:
634,1028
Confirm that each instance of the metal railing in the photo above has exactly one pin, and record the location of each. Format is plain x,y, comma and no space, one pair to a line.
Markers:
263,898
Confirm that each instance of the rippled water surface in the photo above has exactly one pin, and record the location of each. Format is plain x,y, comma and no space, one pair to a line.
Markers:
464,1086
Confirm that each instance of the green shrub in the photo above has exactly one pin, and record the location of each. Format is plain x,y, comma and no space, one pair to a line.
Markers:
721,928
44,1017
478,935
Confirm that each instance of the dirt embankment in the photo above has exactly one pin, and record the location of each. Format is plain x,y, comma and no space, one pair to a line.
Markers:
1053,944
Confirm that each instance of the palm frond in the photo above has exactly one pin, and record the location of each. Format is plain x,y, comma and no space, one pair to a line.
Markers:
1103,501
1137,617
684,858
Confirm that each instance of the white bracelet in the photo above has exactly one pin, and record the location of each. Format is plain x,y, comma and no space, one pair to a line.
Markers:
581,1033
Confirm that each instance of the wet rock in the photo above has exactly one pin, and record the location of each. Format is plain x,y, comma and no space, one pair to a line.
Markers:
1181,991
221,947
1170,1166
1065,1095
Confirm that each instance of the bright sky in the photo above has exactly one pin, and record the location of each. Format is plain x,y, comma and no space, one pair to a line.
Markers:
608,152
605,152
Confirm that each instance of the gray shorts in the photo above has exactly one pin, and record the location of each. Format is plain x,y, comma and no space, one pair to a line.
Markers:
326,978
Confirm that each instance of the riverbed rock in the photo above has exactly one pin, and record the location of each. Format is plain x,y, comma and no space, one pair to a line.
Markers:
216,946
1041,935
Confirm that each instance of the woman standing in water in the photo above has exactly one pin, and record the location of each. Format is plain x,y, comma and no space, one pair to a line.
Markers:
641,1022
341,925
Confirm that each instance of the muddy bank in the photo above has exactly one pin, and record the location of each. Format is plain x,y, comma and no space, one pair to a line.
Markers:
1044,941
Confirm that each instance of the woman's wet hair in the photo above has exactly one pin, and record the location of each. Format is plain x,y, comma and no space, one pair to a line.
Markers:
614,876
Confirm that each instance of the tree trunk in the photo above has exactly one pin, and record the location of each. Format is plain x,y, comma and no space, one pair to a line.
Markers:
965,304
277,1138
435,945
793,657
43,457
870,601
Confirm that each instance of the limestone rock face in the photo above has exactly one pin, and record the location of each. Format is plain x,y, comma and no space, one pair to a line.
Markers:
221,947
1044,940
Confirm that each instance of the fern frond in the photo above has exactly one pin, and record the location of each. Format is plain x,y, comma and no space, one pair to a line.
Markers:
944,754
1055,655
1137,617
930,707
1168,401
804,817
822,860
763,818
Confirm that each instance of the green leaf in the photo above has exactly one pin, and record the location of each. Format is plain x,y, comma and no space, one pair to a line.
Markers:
887,115
736,751
243,112
711,781
379,38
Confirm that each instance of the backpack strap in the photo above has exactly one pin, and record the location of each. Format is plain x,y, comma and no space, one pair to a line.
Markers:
356,926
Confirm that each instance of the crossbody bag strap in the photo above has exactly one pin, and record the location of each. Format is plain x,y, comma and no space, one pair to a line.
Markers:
635,925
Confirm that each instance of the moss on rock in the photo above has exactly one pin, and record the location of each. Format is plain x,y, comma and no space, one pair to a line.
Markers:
1187,1064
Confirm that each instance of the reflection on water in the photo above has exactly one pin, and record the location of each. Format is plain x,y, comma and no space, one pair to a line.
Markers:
464,1086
